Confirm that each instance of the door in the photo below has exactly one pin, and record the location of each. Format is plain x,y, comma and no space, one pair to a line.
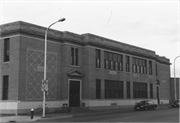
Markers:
158,100
74,93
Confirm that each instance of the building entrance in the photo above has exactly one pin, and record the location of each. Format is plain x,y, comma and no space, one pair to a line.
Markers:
158,100
74,93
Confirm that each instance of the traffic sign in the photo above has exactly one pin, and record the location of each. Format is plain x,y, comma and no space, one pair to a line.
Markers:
44,86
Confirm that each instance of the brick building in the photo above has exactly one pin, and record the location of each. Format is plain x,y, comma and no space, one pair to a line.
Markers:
82,70
172,88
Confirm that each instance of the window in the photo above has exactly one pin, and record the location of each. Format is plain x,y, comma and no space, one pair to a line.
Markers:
74,56
144,66
139,90
106,62
98,89
113,61
6,49
113,89
98,58
120,62
156,70
151,90
5,88
127,64
139,65
150,67
128,89
110,60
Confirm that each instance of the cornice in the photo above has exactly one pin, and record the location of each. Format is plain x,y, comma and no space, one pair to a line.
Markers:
25,28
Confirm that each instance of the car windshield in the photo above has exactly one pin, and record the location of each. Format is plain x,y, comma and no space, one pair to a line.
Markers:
142,102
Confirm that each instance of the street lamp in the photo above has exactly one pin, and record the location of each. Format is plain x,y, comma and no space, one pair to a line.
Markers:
175,78
44,83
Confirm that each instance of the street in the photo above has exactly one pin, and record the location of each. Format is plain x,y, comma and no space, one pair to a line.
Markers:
159,115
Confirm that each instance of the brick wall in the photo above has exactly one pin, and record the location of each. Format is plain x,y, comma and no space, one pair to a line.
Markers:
36,48
105,74
172,87
59,48
164,78
11,68
86,66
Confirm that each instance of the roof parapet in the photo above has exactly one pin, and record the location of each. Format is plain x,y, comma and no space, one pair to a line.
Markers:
84,39
163,59
94,39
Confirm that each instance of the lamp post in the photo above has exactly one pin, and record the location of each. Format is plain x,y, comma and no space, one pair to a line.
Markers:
175,78
44,83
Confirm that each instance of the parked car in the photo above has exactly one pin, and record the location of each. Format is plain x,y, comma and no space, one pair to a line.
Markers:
145,105
175,103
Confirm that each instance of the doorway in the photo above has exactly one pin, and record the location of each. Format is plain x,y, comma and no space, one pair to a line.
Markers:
74,93
158,100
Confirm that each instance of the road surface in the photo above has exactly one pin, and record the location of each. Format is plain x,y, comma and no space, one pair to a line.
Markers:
159,115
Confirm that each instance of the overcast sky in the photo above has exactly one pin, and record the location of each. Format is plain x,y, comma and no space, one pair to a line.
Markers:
150,24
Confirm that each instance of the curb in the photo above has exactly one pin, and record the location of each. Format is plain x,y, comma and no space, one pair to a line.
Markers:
82,114
36,118
94,113
58,117
18,120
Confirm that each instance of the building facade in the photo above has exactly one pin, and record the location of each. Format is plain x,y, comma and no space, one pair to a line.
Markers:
82,70
174,92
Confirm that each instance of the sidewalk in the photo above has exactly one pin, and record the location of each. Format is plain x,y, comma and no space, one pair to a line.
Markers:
5,119
91,111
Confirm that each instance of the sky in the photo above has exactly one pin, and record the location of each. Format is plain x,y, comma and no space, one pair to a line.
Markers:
150,24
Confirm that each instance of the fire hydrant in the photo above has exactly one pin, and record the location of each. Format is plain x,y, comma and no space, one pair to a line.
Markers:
32,113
